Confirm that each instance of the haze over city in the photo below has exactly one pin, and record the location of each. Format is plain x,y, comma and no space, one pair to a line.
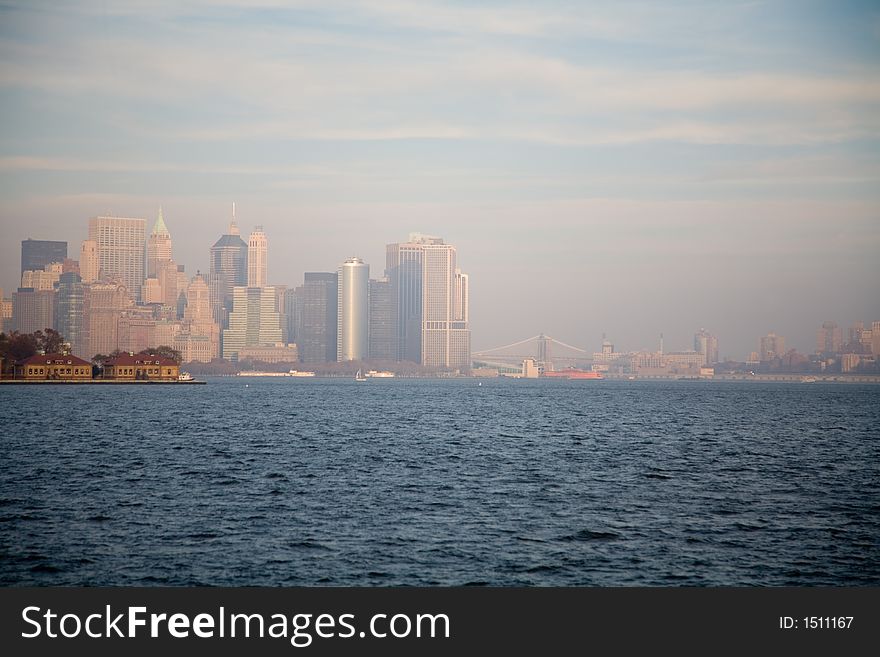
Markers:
628,169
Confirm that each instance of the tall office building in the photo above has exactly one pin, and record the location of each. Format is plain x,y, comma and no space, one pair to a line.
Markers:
353,311
706,344
36,254
5,313
120,250
199,339
403,268
381,321
429,303
158,247
229,257
253,322
89,267
33,310
258,259
103,305
42,279
445,332
829,339
69,319
772,346
317,310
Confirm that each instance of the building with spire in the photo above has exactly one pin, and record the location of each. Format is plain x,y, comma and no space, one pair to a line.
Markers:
258,259
228,269
158,247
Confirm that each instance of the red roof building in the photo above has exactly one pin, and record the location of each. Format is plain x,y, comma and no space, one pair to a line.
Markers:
54,367
141,367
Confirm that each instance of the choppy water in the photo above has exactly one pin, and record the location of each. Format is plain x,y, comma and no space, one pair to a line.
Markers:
433,482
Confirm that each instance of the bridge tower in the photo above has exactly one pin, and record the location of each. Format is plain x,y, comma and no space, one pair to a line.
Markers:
545,355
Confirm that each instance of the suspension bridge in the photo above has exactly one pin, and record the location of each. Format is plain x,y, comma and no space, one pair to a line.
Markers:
548,353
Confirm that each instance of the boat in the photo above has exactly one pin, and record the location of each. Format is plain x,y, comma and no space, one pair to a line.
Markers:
572,373
298,373
185,376
373,374
263,374
808,379
360,376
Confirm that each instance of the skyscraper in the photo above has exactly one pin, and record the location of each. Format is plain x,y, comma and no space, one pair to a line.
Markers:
829,339
772,346
89,267
229,257
317,308
33,310
258,259
353,311
103,304
69,320
707,345
381,321
445,332
253,322
158,247
403,268
120,250
36,254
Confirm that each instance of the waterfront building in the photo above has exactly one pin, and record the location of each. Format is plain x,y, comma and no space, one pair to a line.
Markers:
103,304
282,353
317,307
706,344
33,310
381,321
228,269
89,267
253,321
771,346
829,339
69,319
36,254
353,310
141,367
258,259
56,367
120,243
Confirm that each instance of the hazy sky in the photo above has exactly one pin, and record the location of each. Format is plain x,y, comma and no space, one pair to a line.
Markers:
627,167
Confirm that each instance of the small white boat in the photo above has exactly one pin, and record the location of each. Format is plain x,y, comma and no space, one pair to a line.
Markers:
373,374
360,376
185,376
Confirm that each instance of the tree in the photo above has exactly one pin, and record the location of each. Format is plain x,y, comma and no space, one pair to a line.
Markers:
50,341
16,346
163,350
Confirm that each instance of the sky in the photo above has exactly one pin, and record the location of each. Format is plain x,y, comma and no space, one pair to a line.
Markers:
626,168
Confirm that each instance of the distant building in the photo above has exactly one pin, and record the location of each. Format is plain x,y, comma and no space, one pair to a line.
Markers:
829,339
158,247
103,304
274,354
381,321
53,367
141,367
317,308
199,339
353,310
69,317
849,362
5,313
229,269
771,346
254,322
706,344
42,279
36,254
258,259
89,266
120,243
33,310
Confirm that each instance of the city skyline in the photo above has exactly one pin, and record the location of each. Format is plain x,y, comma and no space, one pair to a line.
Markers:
626,169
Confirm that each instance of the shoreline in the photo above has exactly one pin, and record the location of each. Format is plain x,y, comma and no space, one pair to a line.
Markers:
98,381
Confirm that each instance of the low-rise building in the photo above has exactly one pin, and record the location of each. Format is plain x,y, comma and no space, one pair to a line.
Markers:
141,367
54,367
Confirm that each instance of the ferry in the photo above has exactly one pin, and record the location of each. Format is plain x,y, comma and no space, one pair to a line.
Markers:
263,374
373,374
298,373
185,376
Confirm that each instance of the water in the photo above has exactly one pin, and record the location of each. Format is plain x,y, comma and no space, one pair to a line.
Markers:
440,482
